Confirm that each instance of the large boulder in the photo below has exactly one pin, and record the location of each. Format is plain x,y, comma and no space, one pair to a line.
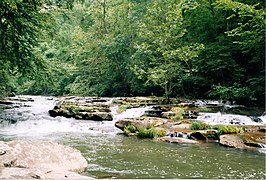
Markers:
241,142
39,159
232,140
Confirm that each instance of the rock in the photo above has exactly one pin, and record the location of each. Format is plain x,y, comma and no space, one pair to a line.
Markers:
234,141
204,135
5,102
177,140
167,114
96,116
154,112
39,159
88,110
32,173
181,125
186,104
198,136
140,122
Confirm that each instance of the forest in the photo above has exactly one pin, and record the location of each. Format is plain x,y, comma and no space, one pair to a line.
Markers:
211,49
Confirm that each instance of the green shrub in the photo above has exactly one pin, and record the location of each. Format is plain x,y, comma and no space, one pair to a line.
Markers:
151,133
228,129
199,126
129,129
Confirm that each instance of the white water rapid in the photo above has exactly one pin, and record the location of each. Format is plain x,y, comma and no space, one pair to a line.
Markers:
32,120
219,118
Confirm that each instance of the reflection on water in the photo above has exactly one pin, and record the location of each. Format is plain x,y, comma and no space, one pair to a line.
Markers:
111,155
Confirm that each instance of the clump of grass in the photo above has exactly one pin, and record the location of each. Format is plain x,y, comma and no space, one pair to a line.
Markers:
129,129
199,126
178,113
73,109
122,108
228,129
151,132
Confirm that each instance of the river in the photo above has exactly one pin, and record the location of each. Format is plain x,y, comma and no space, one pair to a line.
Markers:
112,155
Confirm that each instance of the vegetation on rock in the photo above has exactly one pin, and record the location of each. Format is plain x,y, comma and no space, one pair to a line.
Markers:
200,126
144,131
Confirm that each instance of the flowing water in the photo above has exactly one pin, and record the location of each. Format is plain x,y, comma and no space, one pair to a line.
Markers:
112,155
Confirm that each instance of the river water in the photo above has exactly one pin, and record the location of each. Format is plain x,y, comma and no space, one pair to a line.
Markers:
112,155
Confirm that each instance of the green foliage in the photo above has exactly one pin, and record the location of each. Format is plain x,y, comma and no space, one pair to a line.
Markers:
199,49
150,132
234,92
228,129
73,109
167,54
144,132
178,113
199,126
129,129
20,24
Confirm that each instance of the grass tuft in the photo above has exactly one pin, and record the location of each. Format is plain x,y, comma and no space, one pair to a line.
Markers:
199,126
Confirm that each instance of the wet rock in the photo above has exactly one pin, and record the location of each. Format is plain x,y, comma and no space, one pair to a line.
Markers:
96,116
177,140
82,110
21,99
140,122
190,114
252,144
155,111
39,159
6,102
234,141
198,136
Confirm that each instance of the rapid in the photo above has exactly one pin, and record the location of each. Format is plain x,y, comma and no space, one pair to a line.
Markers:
110,154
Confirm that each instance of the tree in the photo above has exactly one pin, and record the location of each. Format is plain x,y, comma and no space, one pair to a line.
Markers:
20,22
164,52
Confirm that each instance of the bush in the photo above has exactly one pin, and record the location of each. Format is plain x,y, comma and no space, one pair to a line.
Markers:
199,126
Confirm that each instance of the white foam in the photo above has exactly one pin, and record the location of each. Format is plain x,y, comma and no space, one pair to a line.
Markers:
219,118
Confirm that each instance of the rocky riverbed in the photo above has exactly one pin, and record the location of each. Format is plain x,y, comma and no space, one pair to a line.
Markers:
174,122
180,122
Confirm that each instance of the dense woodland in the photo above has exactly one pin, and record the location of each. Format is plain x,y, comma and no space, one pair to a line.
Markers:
172,48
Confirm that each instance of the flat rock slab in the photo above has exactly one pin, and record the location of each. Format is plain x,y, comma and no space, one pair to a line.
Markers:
234,141
177,140
39,159
98,111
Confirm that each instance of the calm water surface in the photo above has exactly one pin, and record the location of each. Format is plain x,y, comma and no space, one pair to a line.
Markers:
112,155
